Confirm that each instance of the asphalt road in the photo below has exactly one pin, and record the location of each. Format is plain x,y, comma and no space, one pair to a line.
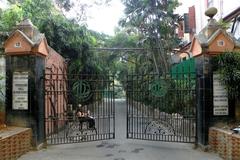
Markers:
120,148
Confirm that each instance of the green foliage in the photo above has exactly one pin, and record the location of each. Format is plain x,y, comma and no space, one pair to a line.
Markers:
65,36
229,67
223,24
122,39
116,62
11,17
65,4
154,21
37,10
178,97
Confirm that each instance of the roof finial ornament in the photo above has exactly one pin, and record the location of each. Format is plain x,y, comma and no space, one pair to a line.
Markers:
211,12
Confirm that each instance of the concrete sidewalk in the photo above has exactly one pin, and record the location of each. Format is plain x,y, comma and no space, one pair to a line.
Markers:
112,150
121,148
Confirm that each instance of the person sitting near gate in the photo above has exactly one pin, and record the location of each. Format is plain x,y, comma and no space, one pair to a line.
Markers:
85,117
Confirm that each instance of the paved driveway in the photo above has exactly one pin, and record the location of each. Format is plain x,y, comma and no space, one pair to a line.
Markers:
120,148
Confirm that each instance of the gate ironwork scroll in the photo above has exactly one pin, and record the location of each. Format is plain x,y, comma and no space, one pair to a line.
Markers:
79,108
161,108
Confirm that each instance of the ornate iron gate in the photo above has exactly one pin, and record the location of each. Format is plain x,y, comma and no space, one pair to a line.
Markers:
79,108
161,108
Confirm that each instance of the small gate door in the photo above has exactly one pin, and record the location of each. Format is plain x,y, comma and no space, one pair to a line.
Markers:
79,108
161,108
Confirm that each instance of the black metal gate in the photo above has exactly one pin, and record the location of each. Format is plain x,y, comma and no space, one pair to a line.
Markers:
161,108
79,108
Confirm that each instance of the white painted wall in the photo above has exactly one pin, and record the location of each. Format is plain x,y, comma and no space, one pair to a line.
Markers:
224,8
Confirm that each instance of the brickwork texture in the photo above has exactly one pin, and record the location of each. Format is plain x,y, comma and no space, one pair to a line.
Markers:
225,143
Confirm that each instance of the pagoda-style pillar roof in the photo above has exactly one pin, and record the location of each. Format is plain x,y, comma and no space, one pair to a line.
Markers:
26,40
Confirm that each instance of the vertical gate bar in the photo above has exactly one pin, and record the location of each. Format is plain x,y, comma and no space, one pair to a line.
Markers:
194,90
159,110
182,98
129,104
95,104
142,109
107,100
110,100
189,105
56,106
169,117
50,110
148,119
137,110
113,100
180,80
51,120
46,108
180,95
186,104
63,111
172,105
56,110
177,95
98,114
103,108
127,100
111,110
187,110
65,94
131,107
102,111
109,103
134,109
63,106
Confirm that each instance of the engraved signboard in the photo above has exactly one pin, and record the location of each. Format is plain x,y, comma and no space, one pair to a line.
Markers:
20,91
220,97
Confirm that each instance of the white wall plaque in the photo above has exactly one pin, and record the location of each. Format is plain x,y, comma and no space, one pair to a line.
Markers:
20,91
220,97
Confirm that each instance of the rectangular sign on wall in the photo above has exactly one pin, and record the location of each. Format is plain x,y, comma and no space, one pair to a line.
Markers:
220,97
20,91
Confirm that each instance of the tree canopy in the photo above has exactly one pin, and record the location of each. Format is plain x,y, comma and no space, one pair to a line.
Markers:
147,24
66,36
154,22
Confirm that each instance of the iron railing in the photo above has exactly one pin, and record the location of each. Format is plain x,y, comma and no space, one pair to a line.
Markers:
161,108
79,108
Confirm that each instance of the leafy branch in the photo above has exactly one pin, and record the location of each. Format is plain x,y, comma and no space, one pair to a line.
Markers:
229,68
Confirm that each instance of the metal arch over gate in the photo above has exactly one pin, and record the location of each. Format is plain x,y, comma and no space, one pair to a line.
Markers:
79,108
161,108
